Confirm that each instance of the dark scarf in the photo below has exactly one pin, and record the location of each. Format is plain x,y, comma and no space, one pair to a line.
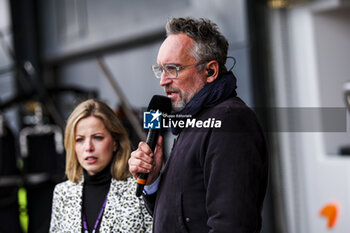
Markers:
210,95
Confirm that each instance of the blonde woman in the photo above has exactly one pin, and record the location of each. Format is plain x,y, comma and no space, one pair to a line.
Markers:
99,195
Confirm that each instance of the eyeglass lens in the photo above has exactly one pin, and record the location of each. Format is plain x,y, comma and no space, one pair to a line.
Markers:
170,70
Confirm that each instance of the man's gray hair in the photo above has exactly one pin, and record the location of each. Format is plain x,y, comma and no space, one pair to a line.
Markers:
209,43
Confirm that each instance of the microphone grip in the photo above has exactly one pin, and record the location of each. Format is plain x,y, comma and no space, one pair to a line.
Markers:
141,181
151,140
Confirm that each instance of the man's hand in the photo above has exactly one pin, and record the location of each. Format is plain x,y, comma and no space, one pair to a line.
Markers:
143,160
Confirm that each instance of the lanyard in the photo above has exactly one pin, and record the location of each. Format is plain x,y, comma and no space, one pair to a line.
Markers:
97,220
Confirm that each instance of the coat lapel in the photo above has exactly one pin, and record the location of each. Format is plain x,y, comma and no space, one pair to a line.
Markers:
75,204
113,208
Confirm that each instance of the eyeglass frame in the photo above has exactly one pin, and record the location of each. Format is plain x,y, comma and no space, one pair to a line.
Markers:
177,69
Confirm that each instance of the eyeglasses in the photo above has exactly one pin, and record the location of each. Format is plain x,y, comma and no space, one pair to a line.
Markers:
171,70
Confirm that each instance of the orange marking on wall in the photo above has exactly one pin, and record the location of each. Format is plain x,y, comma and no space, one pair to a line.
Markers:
330,212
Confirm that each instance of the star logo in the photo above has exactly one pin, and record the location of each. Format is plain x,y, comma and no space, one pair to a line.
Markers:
155,115
151,120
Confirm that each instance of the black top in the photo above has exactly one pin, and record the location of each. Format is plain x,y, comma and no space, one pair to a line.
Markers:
95,190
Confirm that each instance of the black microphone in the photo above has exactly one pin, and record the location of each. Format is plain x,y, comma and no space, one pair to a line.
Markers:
163,105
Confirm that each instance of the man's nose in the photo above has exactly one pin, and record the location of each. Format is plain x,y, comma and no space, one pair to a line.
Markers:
164,79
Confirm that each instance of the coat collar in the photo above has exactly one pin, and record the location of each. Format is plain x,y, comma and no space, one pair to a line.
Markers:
113,207
75,195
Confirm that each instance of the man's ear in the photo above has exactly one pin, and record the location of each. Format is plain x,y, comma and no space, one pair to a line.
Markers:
212,70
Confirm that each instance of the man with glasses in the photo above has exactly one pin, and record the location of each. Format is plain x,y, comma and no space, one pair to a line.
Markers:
215,178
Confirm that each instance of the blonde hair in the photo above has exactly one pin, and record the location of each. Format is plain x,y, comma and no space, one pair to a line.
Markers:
91,107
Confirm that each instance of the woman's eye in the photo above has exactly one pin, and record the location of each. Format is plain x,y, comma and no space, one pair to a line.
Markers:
98,137
79,139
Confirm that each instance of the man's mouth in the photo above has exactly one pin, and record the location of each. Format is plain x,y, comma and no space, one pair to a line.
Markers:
171,94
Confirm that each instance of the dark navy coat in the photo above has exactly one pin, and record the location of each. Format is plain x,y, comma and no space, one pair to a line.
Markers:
215,178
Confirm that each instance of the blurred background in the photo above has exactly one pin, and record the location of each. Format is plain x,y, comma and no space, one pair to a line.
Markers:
293,69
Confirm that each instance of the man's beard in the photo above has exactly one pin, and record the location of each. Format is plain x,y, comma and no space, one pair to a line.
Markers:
183,101
177,107
184,98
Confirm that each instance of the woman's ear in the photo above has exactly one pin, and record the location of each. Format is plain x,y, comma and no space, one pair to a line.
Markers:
212,70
